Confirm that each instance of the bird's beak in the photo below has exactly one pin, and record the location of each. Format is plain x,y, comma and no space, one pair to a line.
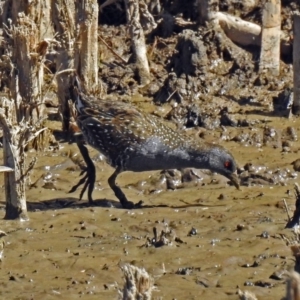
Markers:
233,177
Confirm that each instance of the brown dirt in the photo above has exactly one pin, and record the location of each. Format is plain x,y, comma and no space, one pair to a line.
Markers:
75,252
69,250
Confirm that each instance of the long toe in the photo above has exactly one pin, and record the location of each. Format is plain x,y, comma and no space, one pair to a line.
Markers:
128,204
139,204
131,205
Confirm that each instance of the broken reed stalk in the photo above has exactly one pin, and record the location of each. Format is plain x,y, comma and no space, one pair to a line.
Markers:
64,22
293,282
138,283
75,21
239,31
21,112
14,158
16,136
86,43
293,287
270,38
137,41
296,65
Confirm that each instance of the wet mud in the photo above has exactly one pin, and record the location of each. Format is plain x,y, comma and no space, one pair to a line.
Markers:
217,240
211,239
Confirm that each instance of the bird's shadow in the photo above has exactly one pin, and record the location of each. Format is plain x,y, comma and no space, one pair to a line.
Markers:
72,202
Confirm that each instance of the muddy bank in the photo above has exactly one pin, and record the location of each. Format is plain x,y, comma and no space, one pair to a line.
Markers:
219,239
71,251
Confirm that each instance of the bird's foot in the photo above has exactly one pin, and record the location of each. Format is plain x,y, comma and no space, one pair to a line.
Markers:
130,205
88,182
123,200
139,204
119,194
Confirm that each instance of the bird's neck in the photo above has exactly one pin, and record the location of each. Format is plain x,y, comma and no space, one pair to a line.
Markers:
79,103
199,156
190,156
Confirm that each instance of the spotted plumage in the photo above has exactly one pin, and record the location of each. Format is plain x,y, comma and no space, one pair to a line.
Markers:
116,129
134,141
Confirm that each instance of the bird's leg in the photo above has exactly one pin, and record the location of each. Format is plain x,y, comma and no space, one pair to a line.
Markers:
118,192
90,177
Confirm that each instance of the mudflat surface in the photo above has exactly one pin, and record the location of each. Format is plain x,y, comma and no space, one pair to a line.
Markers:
70,251
220,239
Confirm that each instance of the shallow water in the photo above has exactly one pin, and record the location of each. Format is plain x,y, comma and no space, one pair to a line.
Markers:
70,251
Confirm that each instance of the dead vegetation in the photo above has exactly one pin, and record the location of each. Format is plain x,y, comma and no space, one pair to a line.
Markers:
138,283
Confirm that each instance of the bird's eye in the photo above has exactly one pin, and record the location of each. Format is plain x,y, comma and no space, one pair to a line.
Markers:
227,164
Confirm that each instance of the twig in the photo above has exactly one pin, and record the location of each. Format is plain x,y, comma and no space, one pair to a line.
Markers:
113,52
29,169
64,71
287,210
106,3
54,77
153,47
5,169
171,95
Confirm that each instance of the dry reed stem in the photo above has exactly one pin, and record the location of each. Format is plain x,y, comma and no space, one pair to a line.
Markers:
246,295
138,283
293,287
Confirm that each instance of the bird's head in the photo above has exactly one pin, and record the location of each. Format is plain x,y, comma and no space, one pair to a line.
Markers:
222,162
